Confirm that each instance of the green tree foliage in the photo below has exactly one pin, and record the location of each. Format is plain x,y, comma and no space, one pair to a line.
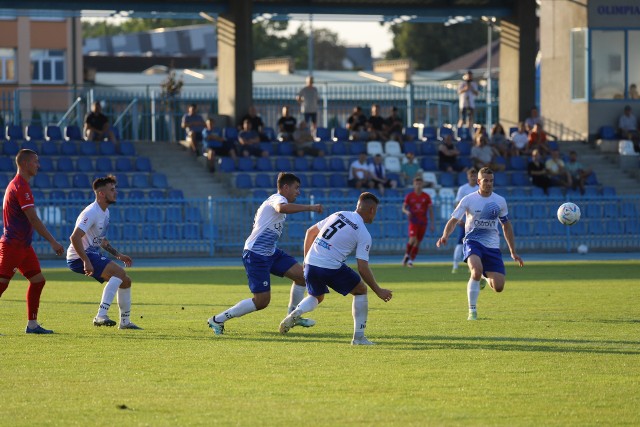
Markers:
133,25
431,45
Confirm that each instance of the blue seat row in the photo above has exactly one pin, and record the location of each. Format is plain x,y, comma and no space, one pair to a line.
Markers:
70,148
63,180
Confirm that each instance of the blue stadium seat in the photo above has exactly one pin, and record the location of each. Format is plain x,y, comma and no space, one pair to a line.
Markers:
14,133
323,134
133,214
53,133
340,134
171,232
520,211
46,164
129,231
394,230
463,134
263,164
123,180
143,164
159,180
191,231
518,163
522,228
444,131
175,193
283,164
578,229
336,164
7,164
156,194
264,180
123,164
243,180
69,148
320,146
84,164
127,148
591,210
541,211
556,192
632,226
338,181
88,148
537,193
150,232
318,195
615,227
629,210
357,147
29,145
57,195
173,214
72,133
230,134
430,133
245,164
428,149
596,227
410,147
520,179
34,133
591,193
319,180
611,210
65,164
285,148
304,182
339,148
192,214
428,164
135,195
464,147
106,148
77,195
608,191
319,164
500,179
268,147
296,230
607,132
270,133
592,179
10,148
104,164
140,180
81,180
260,194
61,180
447,179
541,228
411,133
226,164
301,164
49,148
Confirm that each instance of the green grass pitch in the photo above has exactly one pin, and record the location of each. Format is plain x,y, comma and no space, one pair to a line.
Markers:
560,346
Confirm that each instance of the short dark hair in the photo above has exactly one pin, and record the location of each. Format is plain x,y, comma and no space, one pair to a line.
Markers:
102,181
472,171
287,178
485,171
366,197
23,155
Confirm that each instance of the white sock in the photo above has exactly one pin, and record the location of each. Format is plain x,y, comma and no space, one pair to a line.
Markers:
124,302
457,256
245,306
308,304
473,290
295,296
360,310
108,294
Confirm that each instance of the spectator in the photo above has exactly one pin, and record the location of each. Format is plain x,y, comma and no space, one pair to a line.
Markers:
193,124
556,171
379,175
448,155
286,125
249,142
214,144
499,140
633,91
375,125
256,122
359,173
394,125
628,127
520,141
538,139
579,173
410,169
303,140
308,100
533,119
538,172
96,125
480,130
356,124
467,92
484,155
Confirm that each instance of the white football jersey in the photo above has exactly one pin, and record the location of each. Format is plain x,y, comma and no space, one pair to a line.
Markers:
340,233
464,190
267,226
95,223
482,216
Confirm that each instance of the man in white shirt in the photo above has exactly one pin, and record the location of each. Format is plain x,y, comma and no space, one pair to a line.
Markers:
467,92
84,257
261,256
360,173
326,247
481,248
465,189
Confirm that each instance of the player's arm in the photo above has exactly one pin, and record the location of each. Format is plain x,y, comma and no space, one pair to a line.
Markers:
367,277
405,209
37,225
76,242
310,237
448,229
126,259
432,224
291,208
507,229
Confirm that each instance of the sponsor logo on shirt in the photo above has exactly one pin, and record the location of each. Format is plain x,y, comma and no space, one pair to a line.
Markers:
484,223
322,243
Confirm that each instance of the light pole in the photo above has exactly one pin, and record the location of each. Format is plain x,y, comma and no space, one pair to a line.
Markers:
490,21
310,46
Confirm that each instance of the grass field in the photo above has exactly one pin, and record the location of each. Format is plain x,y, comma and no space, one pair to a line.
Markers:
560,346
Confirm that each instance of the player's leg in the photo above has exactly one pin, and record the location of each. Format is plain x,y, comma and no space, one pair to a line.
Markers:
473,255
123,292
420,232
360,313
457,252
410,243
494,269
29,266
315,278
284,265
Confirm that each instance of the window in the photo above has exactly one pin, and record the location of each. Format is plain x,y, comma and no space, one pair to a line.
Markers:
578,64
7,65
634,62
608,64
47,66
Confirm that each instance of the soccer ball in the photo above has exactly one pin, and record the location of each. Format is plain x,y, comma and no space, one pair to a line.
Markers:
568,213
583,249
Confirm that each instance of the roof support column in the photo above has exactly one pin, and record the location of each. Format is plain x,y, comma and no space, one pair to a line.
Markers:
235,60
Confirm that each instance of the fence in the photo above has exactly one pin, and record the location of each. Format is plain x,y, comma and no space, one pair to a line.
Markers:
219,227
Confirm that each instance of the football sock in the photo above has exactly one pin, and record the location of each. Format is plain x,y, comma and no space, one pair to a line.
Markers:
308,304
295,296
108,294
245,306
457,256
414,252
408,250
33,299
360,310
124,302
473,290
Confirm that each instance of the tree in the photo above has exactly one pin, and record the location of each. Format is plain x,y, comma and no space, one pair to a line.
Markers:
431,45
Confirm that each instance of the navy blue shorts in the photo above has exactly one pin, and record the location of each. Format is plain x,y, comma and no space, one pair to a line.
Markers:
491,258
98,261
259,268
319,280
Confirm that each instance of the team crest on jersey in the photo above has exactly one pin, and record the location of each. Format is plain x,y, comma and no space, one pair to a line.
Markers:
85,219
27,196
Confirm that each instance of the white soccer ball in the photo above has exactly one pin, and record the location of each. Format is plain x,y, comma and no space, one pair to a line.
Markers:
583,249
568,213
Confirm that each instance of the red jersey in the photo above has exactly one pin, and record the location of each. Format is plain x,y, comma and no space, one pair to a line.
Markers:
17,198
418,205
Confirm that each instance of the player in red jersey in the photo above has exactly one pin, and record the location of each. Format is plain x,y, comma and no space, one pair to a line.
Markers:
16,253
416,206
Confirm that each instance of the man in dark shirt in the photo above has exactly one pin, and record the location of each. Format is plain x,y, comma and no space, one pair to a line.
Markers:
286,125
375,125
356,124
257,125
96,125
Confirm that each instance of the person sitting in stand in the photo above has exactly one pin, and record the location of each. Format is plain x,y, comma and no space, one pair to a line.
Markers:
556,170
256,122
533,119
303,141
193,124
519,141
628,127
214,144
286,125
538,172
538,139
499,140
375,125
96,125
448,155
579,173
356,124
249,142
379,175
394,126
359,173
484,155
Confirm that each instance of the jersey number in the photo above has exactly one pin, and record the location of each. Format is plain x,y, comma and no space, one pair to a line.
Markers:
333,228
